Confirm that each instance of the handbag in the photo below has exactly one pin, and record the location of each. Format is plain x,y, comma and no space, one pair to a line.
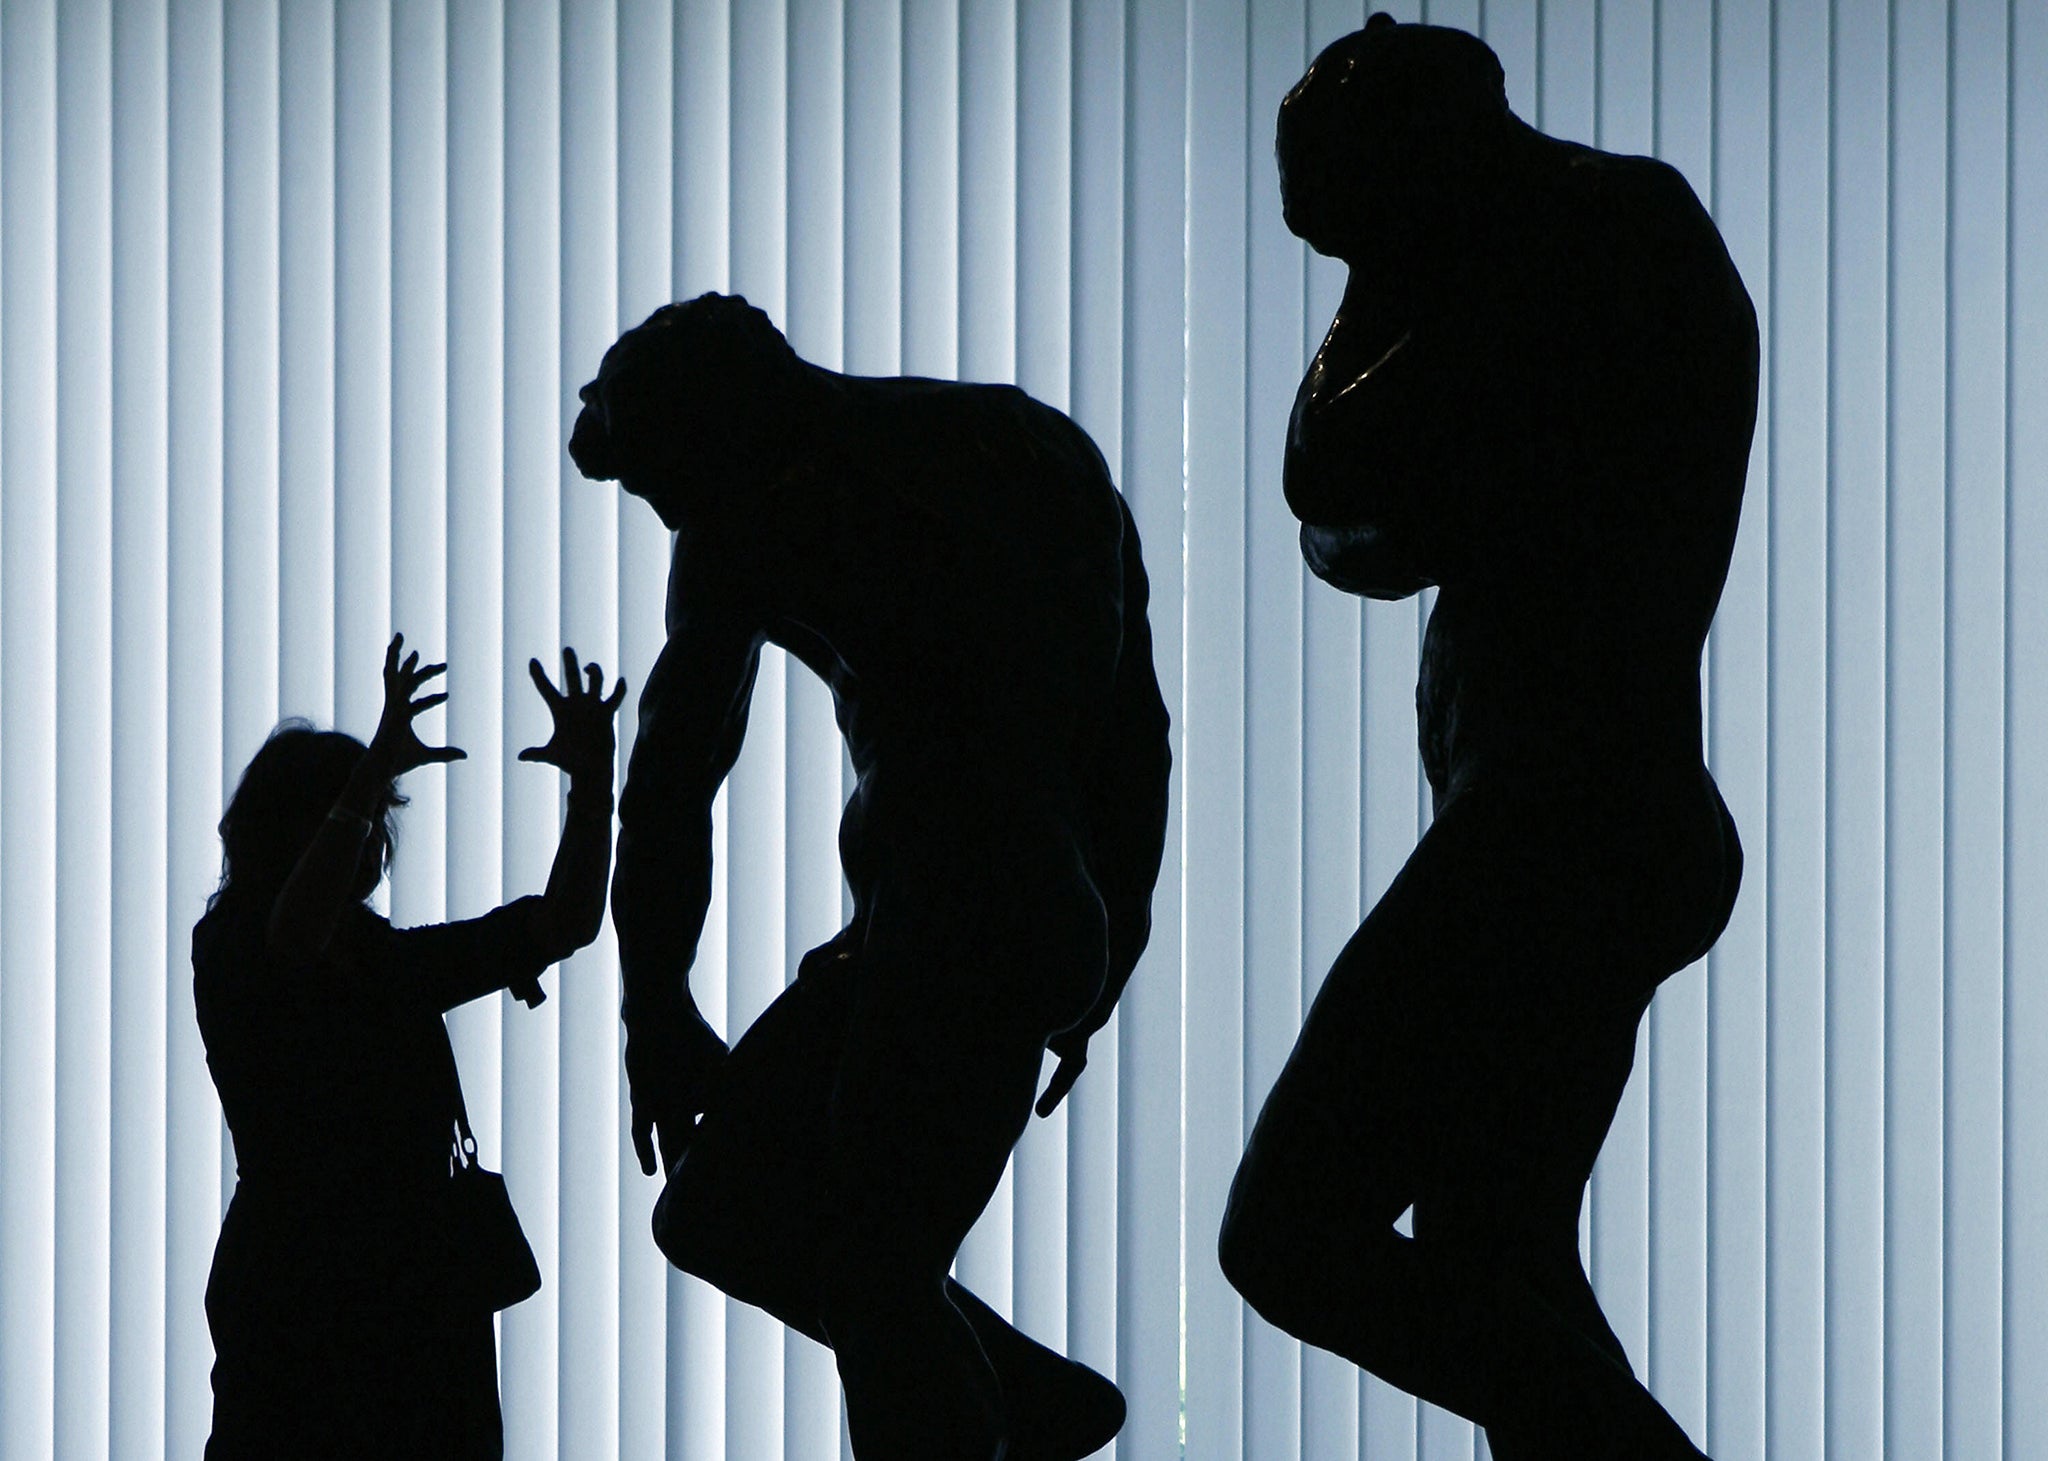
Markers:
491,1263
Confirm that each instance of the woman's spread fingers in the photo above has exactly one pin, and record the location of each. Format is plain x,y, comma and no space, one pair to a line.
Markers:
412,662
618,694
570,672
594,674
428,702
427,672
447,753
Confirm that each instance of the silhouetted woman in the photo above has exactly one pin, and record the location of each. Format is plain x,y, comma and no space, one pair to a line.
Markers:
1537,395
336,1327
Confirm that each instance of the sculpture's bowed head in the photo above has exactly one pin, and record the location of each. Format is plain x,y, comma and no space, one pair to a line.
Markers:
687,403
1383,120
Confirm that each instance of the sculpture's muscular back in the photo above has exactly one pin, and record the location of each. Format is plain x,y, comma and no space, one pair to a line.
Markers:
1550,419
951,569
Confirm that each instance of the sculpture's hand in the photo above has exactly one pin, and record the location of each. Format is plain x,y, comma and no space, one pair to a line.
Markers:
1071,1046
671,1082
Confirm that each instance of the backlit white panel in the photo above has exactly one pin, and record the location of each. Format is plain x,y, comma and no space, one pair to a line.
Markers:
294,300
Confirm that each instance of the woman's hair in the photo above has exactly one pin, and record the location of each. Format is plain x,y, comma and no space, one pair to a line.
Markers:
284,795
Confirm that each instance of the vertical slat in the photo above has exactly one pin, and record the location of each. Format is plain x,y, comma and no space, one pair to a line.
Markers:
1568,70
82,689
1391,788
29,536
1856,627
1094,1111
586,986
701,191
1798,343
1625,122
986,156
139,705
251,386
1675,1366
1737,739
305,603
985,331
814,318
1332,659
1216,767
360,451
758,913
416,423
1915,736
873,224
250,409
195,670
2025,1361
1973,894
931,187
700,196
1043,224
474,404
1568,106
530,1333
1294,867
645,199
1149,1168
756,961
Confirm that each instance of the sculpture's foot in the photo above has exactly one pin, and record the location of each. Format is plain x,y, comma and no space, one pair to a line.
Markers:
918,1387
1637,1437
1054,1408
1062,1411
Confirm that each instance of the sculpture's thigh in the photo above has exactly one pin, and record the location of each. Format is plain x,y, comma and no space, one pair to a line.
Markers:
1464,1051
745,1208
943,1055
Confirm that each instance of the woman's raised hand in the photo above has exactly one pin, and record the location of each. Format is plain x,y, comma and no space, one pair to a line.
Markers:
582,743
396,744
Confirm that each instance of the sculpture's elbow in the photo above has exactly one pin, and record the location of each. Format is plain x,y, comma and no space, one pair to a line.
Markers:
1361,560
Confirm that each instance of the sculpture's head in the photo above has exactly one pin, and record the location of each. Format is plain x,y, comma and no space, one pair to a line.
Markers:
1385,131
689,404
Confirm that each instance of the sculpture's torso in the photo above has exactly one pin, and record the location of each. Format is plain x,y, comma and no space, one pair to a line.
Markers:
952,572
1554,429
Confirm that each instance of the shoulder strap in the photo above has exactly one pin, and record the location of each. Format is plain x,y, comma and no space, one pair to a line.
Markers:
464,1154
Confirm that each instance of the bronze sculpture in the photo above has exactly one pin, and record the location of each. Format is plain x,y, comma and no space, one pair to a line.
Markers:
1537,396
954,562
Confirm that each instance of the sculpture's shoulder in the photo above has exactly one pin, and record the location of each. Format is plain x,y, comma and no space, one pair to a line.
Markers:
985,450
980,418
1654,245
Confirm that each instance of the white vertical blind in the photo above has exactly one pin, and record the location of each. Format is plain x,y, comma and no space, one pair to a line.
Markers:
294,299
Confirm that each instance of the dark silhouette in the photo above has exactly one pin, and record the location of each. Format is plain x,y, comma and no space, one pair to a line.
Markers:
1537,395
954,562
341,1321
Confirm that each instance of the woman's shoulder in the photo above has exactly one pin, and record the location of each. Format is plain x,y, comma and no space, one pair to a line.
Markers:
228,936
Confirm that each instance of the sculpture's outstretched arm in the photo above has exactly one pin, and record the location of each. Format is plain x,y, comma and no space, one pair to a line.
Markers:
693,717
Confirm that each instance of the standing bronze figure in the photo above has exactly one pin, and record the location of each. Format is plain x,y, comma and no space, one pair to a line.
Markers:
954,562
1537,396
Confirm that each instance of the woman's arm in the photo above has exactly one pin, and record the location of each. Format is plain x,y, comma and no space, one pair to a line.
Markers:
303,918
572,909
511,947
